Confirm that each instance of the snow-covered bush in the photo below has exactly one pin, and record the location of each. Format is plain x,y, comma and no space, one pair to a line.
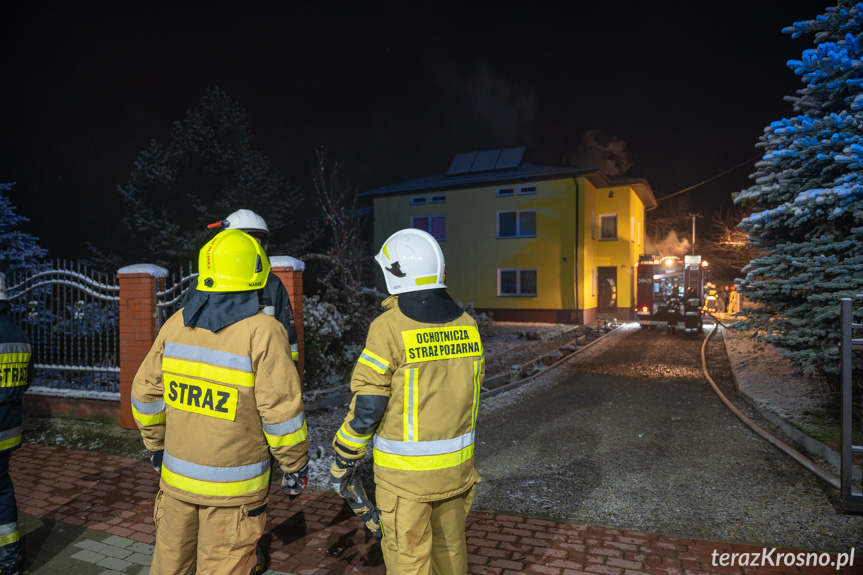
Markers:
326,352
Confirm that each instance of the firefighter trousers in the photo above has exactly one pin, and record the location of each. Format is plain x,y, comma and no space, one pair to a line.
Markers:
424,537
10,547
211,540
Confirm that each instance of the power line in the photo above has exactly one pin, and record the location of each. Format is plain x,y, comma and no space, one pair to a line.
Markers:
708,179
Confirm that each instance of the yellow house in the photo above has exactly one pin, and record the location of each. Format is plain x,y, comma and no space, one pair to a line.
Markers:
527,242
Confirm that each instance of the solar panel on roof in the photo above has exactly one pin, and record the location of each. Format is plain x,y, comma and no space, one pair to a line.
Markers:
485,161
461,163
509,158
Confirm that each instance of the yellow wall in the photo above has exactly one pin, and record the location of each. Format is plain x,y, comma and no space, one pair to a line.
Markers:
474,253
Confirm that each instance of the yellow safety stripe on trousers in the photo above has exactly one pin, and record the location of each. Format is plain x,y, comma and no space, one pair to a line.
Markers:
422,462
348,438
10,443
436,343
411,405
206,371
9,538
13,369
288,439
477,384
374,361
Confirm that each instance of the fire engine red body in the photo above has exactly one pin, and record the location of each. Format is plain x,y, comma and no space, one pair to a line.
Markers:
661,287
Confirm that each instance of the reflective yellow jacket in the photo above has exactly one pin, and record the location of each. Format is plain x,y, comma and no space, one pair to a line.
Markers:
218,403
416,390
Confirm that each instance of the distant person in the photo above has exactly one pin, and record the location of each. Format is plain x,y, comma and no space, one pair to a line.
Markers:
15,373
734,300
215,396
416,390
274,296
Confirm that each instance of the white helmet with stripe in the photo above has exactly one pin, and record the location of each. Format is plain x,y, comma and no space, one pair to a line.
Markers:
411,261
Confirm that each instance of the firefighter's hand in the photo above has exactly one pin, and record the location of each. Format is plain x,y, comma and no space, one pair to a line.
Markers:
341,472
156,460
293,483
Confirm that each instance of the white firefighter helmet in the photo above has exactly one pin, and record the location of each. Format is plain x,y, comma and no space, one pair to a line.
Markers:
247,221
3,295
411,261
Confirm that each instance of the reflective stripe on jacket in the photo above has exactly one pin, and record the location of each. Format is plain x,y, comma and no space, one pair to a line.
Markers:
218,403
416,398
15,373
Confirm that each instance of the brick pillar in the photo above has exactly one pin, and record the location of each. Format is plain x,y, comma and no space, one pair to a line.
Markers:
290,271
137,327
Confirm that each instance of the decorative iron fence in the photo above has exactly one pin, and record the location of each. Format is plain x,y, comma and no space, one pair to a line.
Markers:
71,315
169,298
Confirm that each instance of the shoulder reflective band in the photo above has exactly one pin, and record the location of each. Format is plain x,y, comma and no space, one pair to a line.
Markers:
206,480
14,363
374,361
207,363
148,413
423,455
411,410
288,433
347,437
8,533
10,438
441,343
201,397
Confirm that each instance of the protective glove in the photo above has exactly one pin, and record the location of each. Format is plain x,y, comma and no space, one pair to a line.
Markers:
345,482
293,483
156,460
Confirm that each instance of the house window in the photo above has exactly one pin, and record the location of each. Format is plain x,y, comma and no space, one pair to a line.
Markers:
437,199
435,225
608,226
525,190
516,282
517,224
418,200
505,192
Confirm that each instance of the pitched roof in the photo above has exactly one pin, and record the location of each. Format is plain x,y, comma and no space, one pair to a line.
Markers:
486,168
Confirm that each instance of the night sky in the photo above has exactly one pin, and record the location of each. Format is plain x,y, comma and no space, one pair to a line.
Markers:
393,89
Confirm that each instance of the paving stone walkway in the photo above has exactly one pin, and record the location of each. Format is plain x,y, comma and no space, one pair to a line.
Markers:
91,514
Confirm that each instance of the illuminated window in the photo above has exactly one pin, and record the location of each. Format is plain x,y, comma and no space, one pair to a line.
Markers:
517,224
608,226
512,282
435,225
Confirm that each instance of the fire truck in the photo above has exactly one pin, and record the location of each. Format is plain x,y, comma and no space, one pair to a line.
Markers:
661,288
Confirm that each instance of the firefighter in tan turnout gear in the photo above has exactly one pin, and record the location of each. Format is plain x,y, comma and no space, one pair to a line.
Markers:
416,392
217,394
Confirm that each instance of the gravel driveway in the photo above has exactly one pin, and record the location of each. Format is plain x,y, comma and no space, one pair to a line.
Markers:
630,435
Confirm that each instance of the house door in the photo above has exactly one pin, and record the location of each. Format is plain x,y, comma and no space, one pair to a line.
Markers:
606,277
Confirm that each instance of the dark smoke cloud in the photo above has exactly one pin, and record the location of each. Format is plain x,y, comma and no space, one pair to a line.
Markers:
599,150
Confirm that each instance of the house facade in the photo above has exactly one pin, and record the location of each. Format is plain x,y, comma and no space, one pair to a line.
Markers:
527,242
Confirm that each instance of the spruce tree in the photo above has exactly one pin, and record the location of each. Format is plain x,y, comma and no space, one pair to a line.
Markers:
19,251
807,223
208,170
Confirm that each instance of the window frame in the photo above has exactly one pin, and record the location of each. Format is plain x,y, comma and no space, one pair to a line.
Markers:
518,282
418,200
429,229
437,198
616,230
518,233
527,190
500,193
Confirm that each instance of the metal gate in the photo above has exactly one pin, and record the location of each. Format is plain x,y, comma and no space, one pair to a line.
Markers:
852,496
71,315
169,297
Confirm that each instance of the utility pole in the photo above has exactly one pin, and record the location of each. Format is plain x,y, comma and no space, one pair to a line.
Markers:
693,216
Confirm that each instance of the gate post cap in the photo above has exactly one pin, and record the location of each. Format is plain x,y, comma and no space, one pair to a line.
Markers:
149,269
287,262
